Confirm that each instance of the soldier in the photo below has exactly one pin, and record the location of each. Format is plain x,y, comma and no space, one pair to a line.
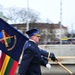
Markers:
33,56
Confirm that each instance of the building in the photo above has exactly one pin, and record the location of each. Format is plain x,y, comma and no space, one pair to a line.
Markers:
49,32
59,32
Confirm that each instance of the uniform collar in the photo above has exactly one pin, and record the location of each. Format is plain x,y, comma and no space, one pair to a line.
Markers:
32,40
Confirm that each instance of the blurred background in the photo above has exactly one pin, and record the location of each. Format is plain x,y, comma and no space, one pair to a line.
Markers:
55,20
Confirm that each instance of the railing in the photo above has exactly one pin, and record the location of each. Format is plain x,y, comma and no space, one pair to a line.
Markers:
64,60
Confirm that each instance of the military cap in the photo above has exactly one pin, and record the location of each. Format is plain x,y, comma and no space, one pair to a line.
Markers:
33,32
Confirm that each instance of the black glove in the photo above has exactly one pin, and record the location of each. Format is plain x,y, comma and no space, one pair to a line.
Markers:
52,56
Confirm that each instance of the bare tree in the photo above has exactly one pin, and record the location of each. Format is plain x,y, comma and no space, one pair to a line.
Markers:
1,8
21,15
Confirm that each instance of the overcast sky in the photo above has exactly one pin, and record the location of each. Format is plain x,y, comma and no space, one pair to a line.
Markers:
48,9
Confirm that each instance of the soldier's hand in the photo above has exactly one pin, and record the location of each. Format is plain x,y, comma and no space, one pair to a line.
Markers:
52,56
48,66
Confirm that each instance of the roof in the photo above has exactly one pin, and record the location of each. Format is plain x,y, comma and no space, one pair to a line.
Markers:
43,25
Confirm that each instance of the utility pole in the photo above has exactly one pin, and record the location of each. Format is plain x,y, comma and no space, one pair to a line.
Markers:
27,15
71,33
60,21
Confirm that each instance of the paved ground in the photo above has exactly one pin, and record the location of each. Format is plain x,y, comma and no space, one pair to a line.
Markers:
57,70
55,74
58,74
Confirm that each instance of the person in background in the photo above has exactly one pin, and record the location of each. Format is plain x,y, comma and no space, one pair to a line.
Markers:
33,56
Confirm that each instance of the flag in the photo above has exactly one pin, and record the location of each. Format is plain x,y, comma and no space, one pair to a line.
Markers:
11,46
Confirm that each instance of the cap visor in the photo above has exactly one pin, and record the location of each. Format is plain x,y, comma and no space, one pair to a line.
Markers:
37,35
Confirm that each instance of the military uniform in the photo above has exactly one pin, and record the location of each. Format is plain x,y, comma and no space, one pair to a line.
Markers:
33,57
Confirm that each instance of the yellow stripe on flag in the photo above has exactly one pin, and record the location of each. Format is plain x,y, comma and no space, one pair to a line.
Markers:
5,63
0,72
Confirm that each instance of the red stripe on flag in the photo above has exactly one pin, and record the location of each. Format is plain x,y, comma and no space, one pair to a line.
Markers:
2,59
14,67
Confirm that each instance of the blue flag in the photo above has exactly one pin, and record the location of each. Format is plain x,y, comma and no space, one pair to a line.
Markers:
11,45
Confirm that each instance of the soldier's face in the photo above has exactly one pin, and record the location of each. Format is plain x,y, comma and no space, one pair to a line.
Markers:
35,38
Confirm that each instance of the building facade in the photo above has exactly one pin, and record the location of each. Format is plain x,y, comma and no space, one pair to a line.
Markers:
49,32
